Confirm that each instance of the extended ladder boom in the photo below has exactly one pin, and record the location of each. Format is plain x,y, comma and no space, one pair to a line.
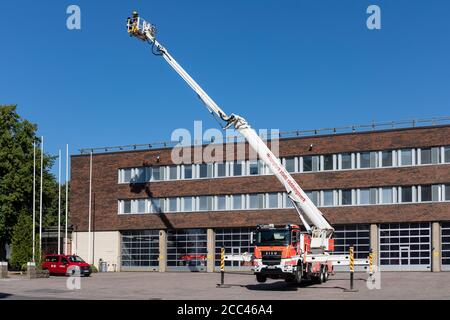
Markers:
309,214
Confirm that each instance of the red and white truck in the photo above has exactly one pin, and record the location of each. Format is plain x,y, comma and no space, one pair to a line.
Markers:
299,254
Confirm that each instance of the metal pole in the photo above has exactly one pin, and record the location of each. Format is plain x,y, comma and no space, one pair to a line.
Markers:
34,201
67,197
90,211
40,196
222,269
59,201
222,266
352,267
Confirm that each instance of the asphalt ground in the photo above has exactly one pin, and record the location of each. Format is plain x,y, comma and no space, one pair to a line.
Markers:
185,285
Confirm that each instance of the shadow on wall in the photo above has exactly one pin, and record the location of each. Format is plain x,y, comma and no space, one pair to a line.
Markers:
140,187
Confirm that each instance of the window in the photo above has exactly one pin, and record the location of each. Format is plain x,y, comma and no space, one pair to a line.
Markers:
221,203
425,156
172,203
429,156
126,175
328,198
206,170
187,204
406,194
387,195
173,172
425,193
157,205
157,173
386,158
289,164
447,192
346,197
133,175
253,167
368,159
205,203
406,157
256,201
368,196
447,154
237,168
313,196
141,206
237,202
272,200
188,171
221,170
429,193
287,201
328,162
126,206
346,161
310,163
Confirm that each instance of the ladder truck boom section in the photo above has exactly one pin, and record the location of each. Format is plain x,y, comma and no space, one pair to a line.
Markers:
309,214
280,251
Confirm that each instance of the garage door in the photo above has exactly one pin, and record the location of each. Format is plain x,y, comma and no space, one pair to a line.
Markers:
405,246
140,250
352,235
235,241
186,250
445,250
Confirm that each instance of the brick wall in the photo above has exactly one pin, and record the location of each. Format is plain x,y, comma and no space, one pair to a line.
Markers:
106,190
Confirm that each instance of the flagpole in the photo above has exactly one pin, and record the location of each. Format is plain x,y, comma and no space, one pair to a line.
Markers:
67,197
90,212
59,201
34,201
40,197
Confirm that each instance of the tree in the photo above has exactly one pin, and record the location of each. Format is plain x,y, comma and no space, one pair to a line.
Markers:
17,136
22,238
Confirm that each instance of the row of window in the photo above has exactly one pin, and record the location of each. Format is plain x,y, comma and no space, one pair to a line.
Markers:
279,200
330,162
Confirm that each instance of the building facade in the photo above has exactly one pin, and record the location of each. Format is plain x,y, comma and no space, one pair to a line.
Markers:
385,190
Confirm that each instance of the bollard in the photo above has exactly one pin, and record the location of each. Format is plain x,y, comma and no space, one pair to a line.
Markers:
352,270
222,270
3,270
370,263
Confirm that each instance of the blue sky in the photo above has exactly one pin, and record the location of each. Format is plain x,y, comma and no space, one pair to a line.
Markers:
281,64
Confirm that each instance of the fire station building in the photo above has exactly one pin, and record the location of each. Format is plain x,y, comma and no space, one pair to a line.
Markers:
385,189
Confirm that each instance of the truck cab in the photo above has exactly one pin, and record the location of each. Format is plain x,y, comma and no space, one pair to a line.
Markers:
280,253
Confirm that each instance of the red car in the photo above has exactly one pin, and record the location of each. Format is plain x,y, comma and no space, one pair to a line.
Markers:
60,264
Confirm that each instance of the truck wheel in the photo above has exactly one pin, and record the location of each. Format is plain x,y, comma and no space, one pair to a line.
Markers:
321,277
299,274
261,278
326,274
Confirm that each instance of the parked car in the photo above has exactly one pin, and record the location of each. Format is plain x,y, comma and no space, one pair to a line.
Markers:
60,264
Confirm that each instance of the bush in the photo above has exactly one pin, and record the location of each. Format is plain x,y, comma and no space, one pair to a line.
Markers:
94,269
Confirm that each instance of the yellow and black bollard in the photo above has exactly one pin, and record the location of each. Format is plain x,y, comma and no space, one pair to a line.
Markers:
370,263
222,270
352,269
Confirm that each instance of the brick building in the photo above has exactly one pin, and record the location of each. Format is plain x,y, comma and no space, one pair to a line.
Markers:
387,190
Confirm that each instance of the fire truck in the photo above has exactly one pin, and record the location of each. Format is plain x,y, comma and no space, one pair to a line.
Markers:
289,252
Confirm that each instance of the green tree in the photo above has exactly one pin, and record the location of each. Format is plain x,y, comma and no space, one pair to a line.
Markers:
17,136
22,238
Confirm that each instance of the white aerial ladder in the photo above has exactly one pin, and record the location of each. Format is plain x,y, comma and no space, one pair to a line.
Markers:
317,226
311,217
